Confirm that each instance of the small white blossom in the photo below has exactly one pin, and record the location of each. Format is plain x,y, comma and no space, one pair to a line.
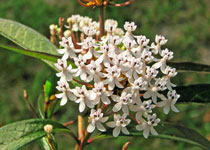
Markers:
84,97
159,39
119,124
66,93
123,101
95,120
65,72
169,102
147,126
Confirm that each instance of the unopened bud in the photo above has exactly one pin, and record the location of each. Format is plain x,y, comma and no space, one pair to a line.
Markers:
25,94
48,128
67,33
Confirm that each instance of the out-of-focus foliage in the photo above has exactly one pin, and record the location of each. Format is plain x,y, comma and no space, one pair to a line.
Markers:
185,23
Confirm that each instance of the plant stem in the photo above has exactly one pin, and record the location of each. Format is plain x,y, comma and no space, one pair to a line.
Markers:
101,20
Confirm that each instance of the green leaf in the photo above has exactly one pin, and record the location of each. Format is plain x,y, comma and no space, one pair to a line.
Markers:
39,55
41,105
46,144
18,134
190,66
26,37
198,93
171,132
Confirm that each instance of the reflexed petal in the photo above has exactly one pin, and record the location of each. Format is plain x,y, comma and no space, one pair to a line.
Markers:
139,127
59,95
105,99
153,131
174,108
104,119
146,133
71,96
166,109
115,98
91,128
100,127
116,131
111,124
125,130
147,94
92,95
125,109
111,86
82,106
117,107
157,65
139,115
118,84
63,100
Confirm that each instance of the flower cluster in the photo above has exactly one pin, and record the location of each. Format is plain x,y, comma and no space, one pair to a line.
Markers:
122,75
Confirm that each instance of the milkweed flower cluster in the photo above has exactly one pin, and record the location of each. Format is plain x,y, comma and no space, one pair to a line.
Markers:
123,77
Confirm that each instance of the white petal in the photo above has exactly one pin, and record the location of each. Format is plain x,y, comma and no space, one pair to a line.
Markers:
115,98
82,106
100,127
166,109
111,86
147,94
116,131
91,128
153,131
125,109
63,100
174,108
104,119
105,99
117,107
125,130
111,124
59,95
118,84
146,133
139,127
157,65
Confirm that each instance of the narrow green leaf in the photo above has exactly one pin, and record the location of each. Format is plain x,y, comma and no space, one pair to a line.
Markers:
198,93
41,105
26,37
35,54
18,134
190,66
48,145
171,132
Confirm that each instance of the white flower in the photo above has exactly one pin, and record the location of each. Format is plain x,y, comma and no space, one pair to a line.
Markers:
147,126
169,102
142,109
105,49
85,97
89,31
130,27
159,39
142,41
68,48
132,68
169,72
82,68
101,93
65,72
167,55
147,55
95,120
151,73
94,70
139,84
110,25
66,93
113,77
123,101
85,22
160,85
119,124
90,43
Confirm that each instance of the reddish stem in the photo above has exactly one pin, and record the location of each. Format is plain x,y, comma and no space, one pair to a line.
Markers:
83,83
69,123
131,115
123,4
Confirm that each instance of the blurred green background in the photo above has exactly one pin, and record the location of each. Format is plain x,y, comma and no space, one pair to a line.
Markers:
186,23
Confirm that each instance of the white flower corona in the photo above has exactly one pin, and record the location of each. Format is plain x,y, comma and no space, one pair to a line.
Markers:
120,74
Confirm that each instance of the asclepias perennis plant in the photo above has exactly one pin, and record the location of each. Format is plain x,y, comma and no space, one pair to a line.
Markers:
117,79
